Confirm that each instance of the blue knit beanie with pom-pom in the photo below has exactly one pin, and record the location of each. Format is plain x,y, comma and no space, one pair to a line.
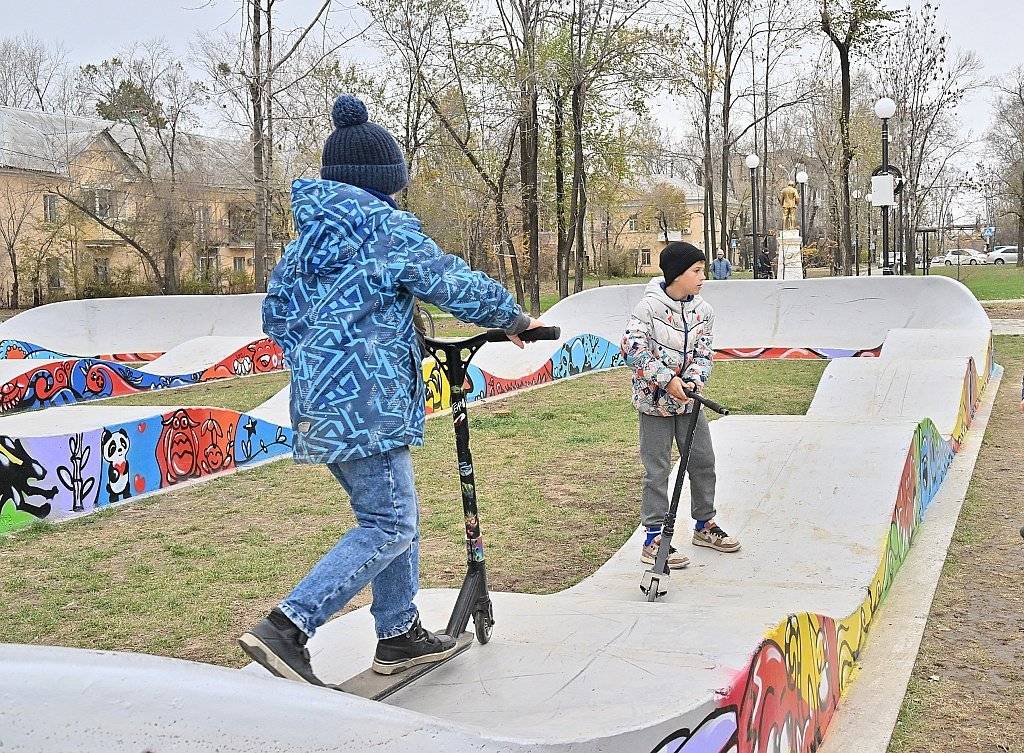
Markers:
361,153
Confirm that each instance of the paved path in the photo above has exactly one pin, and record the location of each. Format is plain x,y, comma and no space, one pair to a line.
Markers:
1008,326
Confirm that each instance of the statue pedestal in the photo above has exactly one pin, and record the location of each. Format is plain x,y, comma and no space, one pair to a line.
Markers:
790,266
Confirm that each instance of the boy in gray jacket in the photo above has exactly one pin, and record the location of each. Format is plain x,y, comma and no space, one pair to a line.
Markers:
668,346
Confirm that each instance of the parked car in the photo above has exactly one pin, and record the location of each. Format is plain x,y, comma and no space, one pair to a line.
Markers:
961,256
1002,255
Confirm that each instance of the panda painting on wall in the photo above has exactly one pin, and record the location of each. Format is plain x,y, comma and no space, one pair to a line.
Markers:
115,446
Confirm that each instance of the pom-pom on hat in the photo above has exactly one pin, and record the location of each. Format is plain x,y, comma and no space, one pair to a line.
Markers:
362,153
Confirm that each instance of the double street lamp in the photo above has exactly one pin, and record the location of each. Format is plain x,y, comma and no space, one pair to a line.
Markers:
885,108
753,162
856,230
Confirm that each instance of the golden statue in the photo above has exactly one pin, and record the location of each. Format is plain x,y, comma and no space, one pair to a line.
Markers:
789,199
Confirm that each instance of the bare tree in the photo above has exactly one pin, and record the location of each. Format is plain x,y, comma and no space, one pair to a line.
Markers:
249,72
853,26
928,83
32,75
1006,142
18,202
150,96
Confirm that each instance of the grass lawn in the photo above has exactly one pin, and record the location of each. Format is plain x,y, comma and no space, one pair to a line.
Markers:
237,394
183,573
968,677
988,281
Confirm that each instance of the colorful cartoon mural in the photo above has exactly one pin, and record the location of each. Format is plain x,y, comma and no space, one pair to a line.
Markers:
590,353
19,349
116,463
83,379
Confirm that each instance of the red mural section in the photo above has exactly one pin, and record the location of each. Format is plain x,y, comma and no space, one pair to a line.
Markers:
192,445
259,357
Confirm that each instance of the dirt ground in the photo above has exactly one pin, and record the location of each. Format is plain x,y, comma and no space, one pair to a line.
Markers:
1004,310
967,689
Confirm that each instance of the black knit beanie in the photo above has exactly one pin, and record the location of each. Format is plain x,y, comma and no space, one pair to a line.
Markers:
361,153
677,257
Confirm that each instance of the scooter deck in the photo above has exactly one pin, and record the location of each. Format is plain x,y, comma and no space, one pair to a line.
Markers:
376,687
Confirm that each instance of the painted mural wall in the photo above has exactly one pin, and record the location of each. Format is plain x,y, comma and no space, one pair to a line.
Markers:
81,380
784,699
49,478
20,349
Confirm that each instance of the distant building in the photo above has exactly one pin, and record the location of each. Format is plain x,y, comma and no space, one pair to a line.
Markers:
77,192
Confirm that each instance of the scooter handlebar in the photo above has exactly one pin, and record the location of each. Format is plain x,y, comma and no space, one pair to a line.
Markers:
529,336
706,402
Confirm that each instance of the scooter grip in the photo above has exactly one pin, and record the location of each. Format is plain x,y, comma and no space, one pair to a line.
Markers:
529,336
706,402
540,333
719,409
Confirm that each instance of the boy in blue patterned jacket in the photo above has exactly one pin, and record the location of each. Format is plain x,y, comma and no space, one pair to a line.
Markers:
667,343
340,305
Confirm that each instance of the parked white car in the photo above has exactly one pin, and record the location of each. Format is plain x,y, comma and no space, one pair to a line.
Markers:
961,256
1002,255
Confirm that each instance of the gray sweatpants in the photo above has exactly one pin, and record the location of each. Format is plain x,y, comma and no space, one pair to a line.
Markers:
656,435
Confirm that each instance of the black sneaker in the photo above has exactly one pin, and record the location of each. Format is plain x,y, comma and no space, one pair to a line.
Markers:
277,644
418,646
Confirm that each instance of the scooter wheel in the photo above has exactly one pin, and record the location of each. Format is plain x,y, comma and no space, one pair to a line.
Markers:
483,627
652,594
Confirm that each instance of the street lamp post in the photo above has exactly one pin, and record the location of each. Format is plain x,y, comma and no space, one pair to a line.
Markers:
752,162
885,108
856,230
871,243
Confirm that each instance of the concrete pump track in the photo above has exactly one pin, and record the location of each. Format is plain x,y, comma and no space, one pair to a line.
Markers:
751,652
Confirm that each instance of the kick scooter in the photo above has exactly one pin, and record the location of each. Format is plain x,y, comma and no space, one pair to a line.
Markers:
654,583
453,357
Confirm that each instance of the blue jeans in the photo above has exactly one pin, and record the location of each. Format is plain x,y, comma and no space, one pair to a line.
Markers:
382,550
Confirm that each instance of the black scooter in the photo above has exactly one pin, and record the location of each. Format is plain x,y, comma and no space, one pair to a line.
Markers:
654,583
453,357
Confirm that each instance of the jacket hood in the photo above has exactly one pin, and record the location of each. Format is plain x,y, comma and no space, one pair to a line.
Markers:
655,289
333,220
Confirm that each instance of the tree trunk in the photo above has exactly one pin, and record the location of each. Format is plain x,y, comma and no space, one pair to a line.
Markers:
726,151
1020,224
579,183
1020,231
709,201
562,247
581,251
258,140
844,165
15,283
528,170
510,247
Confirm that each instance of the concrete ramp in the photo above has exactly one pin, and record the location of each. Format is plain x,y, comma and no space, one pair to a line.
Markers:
574,671
892,388
123,329
748,652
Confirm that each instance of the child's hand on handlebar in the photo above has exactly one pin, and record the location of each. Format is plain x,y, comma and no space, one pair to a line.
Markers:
675,389
534,324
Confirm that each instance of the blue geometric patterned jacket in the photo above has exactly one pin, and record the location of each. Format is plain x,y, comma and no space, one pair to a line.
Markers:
340,305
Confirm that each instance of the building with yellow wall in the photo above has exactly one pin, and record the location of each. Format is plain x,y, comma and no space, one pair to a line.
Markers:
92,207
